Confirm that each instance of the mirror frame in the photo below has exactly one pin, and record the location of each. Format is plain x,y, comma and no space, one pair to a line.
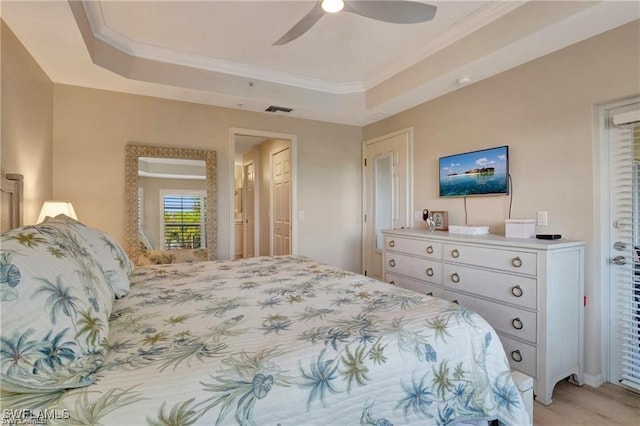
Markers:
133,152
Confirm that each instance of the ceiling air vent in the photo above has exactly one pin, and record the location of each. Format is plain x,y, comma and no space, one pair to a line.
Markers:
273,108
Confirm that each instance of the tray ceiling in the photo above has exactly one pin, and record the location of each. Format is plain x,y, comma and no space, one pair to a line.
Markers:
346,69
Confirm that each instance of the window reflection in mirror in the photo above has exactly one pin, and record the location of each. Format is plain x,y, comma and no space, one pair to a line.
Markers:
172,203
383,186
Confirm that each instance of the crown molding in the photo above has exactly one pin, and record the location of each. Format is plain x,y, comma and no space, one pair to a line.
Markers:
103,32
462,28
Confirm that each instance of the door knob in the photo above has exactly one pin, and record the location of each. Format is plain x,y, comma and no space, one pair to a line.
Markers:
620,246
619,260
619,224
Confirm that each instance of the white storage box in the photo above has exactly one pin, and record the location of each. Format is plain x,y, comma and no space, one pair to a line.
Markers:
520,228
468,229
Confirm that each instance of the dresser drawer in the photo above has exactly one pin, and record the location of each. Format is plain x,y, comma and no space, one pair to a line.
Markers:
419,286
504,259
422,269
514,289
521,356
505,319
424,248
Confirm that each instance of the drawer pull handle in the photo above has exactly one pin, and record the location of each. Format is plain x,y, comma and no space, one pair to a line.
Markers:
517,291
455,301
429,272
455,277
392,282
517,323
392,243
430,249
455,253
516,355
430,294
516,262
392,263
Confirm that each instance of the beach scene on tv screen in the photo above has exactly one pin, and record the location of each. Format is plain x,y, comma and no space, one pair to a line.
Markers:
474,173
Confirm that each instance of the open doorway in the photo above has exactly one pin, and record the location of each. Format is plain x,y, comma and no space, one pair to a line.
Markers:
264,193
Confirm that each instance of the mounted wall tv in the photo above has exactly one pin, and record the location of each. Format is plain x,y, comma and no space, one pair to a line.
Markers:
483,172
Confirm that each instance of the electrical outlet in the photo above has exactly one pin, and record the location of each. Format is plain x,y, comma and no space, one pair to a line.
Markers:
543,218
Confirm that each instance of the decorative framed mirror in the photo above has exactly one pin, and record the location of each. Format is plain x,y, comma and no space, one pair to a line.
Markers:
170,200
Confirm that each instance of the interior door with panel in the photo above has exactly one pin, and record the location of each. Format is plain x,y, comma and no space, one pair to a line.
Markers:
281,181
387,194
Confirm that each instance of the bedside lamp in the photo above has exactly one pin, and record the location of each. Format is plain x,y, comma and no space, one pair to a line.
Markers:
54,208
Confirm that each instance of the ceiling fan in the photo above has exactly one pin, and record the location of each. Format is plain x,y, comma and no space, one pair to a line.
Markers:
393,11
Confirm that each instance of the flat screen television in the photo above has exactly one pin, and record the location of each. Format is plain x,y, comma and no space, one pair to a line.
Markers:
483,172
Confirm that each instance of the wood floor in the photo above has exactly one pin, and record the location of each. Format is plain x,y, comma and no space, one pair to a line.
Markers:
573,405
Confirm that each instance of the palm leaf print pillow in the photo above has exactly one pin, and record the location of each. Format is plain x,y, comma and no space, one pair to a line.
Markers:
55,304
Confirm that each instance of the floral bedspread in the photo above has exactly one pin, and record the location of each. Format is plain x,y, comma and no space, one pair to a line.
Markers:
286,341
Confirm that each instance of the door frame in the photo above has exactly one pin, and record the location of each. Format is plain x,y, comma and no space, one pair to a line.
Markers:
293,145
602,218
410,214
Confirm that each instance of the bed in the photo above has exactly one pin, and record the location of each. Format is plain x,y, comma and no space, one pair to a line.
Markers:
88,339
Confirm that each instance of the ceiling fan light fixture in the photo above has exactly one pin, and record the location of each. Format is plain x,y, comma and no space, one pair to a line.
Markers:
332,6
391,11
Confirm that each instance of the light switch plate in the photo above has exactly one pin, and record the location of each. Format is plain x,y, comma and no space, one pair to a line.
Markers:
543,219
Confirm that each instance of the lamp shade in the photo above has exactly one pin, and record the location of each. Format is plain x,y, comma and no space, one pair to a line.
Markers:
54,208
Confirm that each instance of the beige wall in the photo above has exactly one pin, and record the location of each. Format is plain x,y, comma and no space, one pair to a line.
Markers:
92,127
26,123
544,111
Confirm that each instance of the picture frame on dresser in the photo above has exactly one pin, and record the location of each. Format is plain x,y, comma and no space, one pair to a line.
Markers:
441,220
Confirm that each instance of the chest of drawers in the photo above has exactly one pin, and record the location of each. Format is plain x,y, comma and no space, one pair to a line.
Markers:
531,291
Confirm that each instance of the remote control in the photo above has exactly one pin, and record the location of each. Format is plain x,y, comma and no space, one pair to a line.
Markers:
548,236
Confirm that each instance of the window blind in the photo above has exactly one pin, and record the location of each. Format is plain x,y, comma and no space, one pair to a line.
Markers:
625,179
184,218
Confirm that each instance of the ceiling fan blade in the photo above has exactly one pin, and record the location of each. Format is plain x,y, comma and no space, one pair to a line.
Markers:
302,26
395,12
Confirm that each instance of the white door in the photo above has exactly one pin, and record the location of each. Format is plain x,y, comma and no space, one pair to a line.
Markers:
623,142
281,181
249,175
387,193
